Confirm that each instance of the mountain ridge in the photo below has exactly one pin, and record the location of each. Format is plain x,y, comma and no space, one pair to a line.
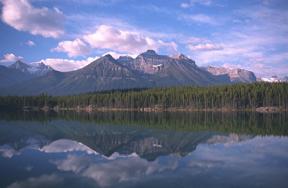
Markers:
36,69
147,70
235,75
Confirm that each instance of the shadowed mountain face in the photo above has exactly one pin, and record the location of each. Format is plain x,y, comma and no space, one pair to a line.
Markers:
15,78
10,77
38,85
103,74
145,71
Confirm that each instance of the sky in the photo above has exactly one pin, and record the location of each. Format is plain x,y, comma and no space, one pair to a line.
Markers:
69,34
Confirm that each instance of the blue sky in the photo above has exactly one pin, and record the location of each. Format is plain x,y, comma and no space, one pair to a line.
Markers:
68,34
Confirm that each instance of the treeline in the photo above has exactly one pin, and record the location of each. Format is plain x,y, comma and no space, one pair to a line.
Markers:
239,96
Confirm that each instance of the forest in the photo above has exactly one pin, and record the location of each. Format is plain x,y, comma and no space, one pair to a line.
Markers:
238,96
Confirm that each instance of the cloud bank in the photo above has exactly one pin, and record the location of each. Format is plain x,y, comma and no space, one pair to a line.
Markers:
10,57
66,65
21,15
107,37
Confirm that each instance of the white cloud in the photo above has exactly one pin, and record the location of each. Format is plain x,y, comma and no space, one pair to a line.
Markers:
21,15
185,5
111,38
199,18
8,58
73,48
255,43
116,55
108,37
7,151
205,47
65,65
113,171
92,2
43,180
245,52
195,2
30,43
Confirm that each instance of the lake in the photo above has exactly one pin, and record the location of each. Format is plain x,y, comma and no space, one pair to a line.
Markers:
133,149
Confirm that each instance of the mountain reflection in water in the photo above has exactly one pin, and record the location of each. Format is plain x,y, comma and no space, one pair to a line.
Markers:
73,150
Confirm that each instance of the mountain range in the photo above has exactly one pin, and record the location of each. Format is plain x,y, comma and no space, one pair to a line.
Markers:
235,75
147,70
20,72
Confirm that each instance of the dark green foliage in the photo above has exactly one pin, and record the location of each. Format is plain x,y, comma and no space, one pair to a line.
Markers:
239,96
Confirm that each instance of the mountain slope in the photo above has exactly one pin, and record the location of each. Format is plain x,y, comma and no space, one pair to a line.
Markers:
103,74
35,86
167,71
10,77
16,77
35,69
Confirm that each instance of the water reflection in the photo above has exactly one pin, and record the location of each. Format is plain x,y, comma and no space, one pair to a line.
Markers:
74,153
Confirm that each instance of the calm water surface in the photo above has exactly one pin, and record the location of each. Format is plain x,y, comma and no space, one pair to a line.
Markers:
143,150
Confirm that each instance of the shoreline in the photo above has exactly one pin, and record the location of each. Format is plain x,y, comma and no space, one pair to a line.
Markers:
89,109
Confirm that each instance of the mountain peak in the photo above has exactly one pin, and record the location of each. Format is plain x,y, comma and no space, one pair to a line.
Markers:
150,53
184,59
182,56
19,62
19,65
124,59
108,57
35,68
42,64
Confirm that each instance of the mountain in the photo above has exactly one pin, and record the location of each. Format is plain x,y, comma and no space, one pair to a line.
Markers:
106,73
21,78
36,69
103,74
10,77
125,59
168,71
235,75
20,66
36,85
